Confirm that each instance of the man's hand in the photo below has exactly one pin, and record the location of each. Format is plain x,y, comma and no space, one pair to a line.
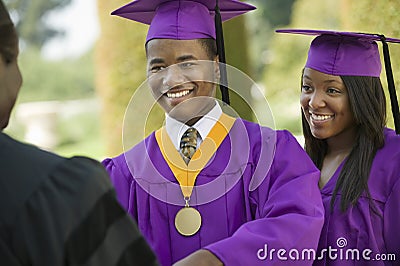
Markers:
201,257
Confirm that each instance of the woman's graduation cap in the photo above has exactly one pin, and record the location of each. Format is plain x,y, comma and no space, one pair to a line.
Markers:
350,54
187,20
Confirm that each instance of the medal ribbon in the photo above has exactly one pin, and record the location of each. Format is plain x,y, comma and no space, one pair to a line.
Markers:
186,174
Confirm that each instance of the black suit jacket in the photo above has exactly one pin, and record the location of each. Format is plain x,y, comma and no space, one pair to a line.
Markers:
62,211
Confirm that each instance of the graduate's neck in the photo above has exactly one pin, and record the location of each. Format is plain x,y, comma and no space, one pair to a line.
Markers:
188,121
342,143
181,113
193,121
339,148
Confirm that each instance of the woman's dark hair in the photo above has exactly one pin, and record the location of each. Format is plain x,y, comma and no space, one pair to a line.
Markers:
368,104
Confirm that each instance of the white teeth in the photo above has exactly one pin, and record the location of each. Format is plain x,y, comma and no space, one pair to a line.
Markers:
320,117
177,94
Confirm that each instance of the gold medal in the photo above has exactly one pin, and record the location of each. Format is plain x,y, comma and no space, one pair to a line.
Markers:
188,221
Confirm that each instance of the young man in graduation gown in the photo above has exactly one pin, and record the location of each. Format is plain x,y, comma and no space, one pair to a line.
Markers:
55,210
244,189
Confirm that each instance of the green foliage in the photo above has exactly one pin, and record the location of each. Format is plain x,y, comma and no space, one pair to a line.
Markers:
317,14
55,80
120,69
287,55
261,23
237,55
276,13
29,17
381,17
79,134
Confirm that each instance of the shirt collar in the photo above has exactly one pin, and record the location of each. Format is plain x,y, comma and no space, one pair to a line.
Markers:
175,128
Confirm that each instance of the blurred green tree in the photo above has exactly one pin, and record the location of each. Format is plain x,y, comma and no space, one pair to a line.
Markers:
237,55
120,69
66,79
381,17
30,19
261,23
275,13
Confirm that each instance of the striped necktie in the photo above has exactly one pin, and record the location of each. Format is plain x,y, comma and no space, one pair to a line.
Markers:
188,144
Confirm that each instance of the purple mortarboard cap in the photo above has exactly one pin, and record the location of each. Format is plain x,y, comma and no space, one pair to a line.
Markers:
187,20
343,53
181,19
350,54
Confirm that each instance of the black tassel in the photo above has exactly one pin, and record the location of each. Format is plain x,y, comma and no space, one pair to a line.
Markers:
221,55
391,86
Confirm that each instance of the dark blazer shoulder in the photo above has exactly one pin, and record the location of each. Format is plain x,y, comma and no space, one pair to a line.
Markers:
23,168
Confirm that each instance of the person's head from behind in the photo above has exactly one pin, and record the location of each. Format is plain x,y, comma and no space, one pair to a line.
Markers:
10,76
181,51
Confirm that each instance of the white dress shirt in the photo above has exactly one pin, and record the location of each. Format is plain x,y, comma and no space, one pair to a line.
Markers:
175,128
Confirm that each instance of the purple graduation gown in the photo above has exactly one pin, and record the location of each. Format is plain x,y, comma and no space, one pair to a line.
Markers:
284,211
360,228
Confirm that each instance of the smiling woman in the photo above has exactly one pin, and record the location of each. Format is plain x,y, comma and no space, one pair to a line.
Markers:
344,117
326,107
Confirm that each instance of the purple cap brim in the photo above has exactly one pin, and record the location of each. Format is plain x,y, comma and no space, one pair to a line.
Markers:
143,11
369,36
